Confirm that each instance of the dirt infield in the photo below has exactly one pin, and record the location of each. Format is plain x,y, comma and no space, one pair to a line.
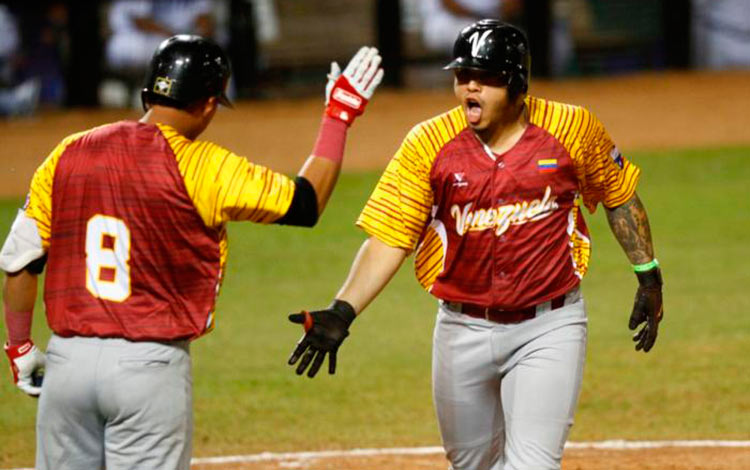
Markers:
642,111
583,457
703,458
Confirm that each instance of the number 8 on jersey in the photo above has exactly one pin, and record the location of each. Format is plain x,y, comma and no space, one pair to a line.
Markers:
107,258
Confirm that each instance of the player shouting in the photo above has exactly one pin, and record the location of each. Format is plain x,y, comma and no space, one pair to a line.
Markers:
131,220
489,194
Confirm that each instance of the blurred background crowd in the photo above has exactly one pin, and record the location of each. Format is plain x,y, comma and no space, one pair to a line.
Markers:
56,53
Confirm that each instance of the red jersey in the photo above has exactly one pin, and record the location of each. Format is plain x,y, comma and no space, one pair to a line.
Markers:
132,216
504,230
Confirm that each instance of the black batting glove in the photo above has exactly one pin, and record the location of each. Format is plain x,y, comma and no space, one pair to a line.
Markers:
648,308
325,330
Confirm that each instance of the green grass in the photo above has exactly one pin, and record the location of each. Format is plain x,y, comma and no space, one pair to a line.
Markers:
694,384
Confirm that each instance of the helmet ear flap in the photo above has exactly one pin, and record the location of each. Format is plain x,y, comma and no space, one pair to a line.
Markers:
516,85
518,82
523,85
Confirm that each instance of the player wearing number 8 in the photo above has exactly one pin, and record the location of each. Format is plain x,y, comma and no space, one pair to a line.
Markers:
130,218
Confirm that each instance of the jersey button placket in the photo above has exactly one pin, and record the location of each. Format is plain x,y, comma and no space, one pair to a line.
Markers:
502,257
497,245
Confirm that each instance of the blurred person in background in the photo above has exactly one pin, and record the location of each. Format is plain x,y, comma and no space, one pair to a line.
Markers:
442,20
569,18
722,33
17,96
136,28
47,47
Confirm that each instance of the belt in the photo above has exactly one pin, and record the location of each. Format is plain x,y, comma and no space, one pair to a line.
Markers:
498,315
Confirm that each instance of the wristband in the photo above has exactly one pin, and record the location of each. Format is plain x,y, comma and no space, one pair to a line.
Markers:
639,268
331,139
17,325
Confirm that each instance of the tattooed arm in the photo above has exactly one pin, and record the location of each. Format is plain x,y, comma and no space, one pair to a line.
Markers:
629,224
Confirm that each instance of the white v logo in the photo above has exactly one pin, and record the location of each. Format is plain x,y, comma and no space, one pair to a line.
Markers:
477,42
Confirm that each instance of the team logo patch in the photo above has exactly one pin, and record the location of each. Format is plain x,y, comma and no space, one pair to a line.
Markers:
459,180
616,157
163,86
548,165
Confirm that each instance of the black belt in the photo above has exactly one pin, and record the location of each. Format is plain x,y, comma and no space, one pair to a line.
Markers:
498,315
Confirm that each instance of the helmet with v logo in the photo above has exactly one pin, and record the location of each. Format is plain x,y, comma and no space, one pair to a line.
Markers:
496,47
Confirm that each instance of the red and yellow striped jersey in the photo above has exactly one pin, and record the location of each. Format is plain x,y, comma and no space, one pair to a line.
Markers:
499,230
133,218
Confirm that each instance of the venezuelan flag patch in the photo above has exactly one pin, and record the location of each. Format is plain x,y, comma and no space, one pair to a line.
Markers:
546,166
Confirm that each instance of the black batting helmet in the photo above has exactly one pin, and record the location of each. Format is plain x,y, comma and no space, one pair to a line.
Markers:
496,47
185,69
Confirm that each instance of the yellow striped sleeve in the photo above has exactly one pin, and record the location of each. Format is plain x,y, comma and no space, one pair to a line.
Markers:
39,200
225,186
429,260
401,203
604,175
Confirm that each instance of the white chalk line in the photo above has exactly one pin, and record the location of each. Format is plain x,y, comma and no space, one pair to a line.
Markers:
302,456
602,445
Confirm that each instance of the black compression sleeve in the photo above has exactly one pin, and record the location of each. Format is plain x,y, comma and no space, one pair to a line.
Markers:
37,266
303,210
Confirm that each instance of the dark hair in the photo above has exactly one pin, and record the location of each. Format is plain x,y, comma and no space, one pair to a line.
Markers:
152,99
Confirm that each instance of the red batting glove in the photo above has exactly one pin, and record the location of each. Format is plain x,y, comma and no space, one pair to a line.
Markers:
348,93
27,366
345,103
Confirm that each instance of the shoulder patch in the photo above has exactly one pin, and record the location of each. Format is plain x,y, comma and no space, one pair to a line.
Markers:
616,157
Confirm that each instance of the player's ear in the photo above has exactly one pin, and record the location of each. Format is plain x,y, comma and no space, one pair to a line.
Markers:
209,106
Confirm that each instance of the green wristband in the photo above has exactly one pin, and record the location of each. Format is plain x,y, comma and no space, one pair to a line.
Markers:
639,268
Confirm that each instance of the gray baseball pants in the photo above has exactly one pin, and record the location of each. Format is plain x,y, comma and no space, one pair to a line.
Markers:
505,394
115,403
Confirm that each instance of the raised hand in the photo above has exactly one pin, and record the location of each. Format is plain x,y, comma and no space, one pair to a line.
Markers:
348,93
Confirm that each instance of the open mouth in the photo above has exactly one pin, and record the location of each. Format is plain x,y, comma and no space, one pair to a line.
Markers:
473,110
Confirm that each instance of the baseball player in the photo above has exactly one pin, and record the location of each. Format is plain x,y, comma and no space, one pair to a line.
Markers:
489,195
130,219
